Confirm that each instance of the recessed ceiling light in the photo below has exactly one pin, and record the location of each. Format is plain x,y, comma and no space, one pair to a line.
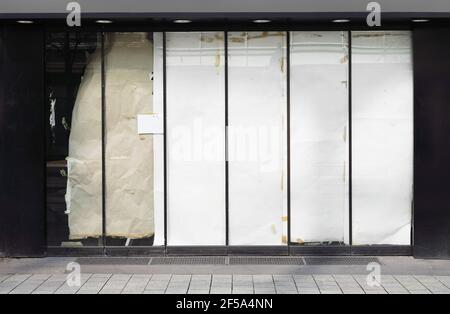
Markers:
25,22
181,21
103,21
261,21
341,21
420,20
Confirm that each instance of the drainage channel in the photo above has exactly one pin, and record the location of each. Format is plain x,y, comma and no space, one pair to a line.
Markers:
225,260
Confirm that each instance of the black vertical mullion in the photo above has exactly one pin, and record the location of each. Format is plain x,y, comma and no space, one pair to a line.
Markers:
288,134
165,137
350,202
227,213
45,132
103,115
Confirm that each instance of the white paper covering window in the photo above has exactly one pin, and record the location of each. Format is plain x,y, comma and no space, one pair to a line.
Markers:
257,138
319,137
196,138
382,133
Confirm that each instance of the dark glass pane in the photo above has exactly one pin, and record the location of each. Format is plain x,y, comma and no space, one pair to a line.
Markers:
73,125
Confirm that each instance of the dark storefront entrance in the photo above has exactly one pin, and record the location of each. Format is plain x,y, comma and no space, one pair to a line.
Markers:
130,139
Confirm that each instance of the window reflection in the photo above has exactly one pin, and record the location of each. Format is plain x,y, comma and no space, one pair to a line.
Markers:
74,188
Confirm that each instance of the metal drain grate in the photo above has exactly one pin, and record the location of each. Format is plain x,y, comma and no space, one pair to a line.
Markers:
195,260
113,261
266,261
223,260
341,260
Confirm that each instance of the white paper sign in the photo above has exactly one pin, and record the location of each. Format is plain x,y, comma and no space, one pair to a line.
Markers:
150,123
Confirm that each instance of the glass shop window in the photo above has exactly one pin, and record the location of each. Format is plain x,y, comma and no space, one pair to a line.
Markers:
382,128
319,138
134,151
124,205
133,140
74,139
196,138
257,138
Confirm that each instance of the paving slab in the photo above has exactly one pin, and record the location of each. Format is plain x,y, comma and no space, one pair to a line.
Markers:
137,284
10,283
30,284
51,284
221,284
399,275
200,284
67,288
94,284
433,284
284,284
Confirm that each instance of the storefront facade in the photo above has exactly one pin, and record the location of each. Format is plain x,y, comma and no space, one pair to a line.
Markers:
299,134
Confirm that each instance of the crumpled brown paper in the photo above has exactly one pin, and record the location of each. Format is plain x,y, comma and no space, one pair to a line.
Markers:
129,156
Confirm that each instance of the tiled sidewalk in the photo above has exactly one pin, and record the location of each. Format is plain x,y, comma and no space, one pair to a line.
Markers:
221,284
